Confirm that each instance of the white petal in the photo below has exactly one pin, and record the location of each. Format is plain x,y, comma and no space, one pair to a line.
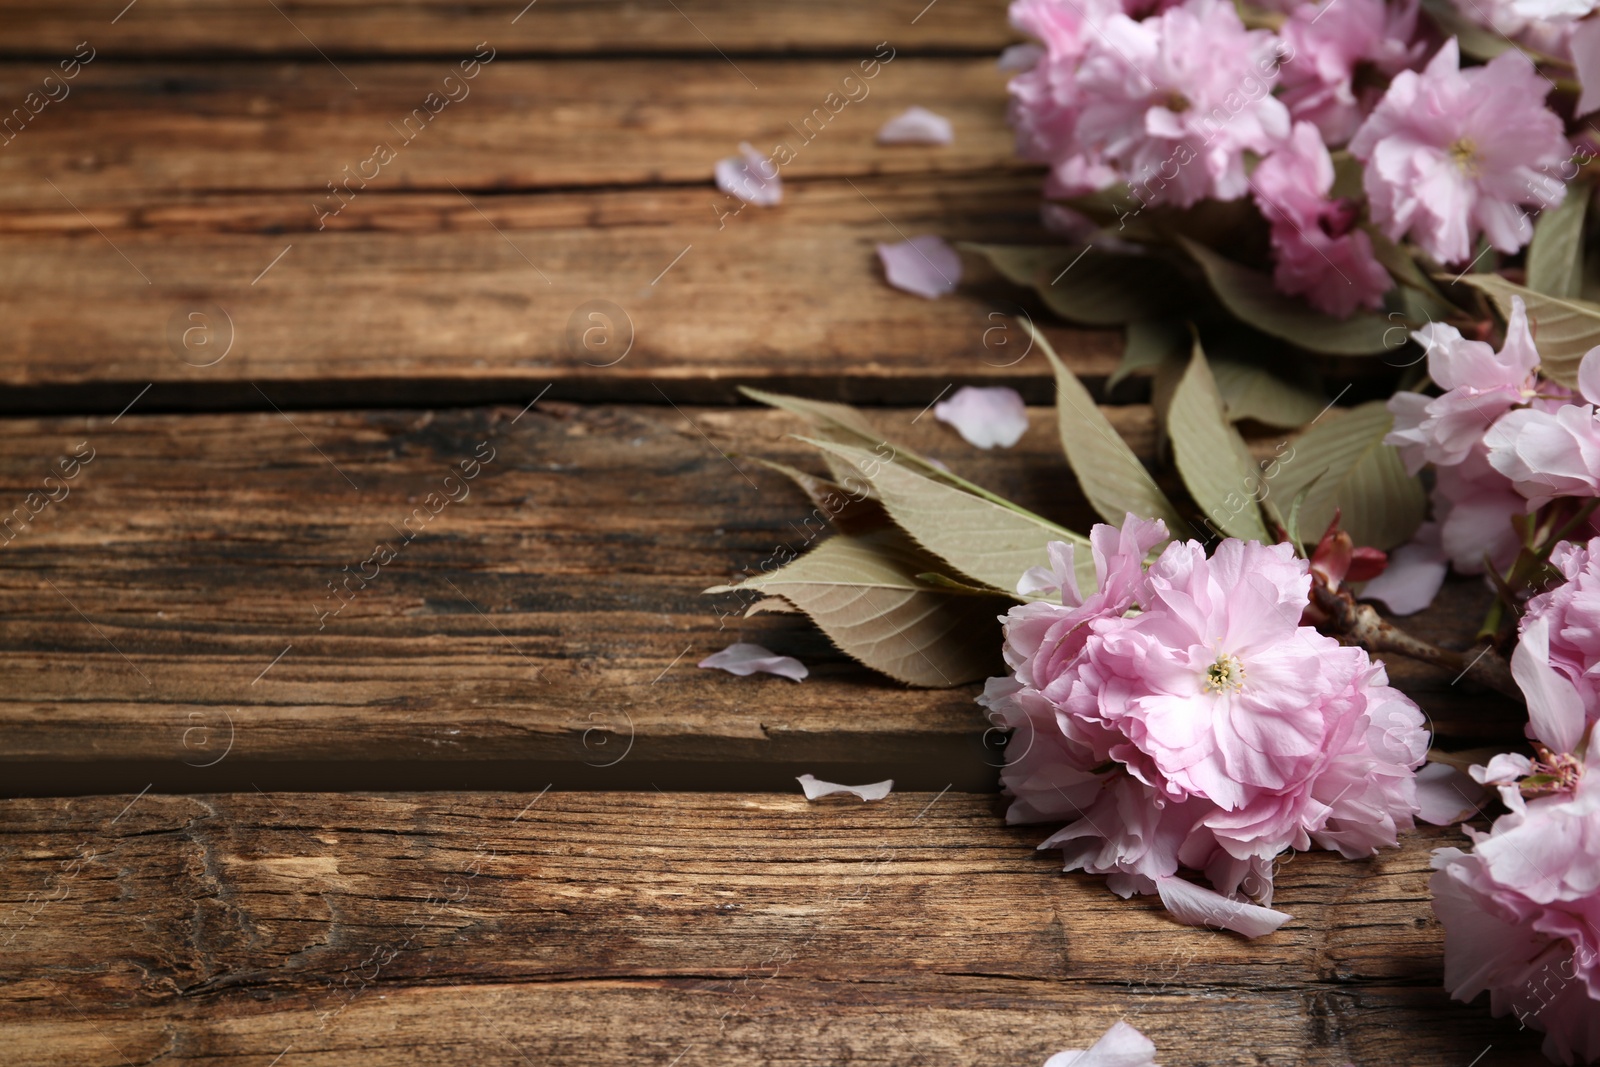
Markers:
1555,710
1198,906
815,789
985,417
1446,796
1019,57
1411,580
916,125
750,176
1502,769
1120,1046
743,658
923,265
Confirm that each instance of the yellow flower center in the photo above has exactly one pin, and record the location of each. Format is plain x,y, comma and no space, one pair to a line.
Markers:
1465,154
1226,675
1177,103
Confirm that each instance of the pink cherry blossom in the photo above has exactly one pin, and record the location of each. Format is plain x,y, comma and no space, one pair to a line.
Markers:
1328,41
1451,154
1570,616
1480,385
1520,910
1168,105
1551,450
1175,102
1207,731
1320,254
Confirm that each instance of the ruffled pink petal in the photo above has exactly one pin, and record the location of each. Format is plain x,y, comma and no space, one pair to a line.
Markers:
1413,577
1196,905
815,789
1446,796
925,265
916,125
1555,710
743,658
751,177
1120,1046
986,417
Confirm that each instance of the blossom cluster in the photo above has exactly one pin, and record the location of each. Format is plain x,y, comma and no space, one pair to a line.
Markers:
1503,439
1182,717
1171,104
1521,911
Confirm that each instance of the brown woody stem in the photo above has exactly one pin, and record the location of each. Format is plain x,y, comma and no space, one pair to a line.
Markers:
1361,624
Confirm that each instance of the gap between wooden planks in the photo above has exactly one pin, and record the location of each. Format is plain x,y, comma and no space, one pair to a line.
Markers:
423,299
614,928
176,608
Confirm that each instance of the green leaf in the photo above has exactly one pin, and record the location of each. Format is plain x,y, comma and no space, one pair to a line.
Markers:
1110,475
1212,458
843,423
1555,255
864,593
849,512
1477,42
1400,264
1253,298
1250,391
1149,341
1341,462
1089,285
987,541
1566,327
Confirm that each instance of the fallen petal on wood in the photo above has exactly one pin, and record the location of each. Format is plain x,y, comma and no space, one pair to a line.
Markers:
1120,1046
925,265
916,125
751,177
1198,906
986,417
815,789
743,658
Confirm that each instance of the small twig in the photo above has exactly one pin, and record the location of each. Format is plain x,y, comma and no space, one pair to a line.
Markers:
1361,624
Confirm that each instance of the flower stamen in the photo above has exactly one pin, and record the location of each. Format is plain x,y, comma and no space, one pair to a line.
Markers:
1226,675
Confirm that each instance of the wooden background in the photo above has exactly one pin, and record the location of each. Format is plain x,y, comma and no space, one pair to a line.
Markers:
490,811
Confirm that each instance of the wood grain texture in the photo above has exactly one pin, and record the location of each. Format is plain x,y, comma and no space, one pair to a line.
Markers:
432,299
144,133
393,27
554,609
626,928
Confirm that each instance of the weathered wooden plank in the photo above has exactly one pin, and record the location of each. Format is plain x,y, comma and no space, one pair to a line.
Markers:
141,133
389,27
433,299
620,928
553,610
